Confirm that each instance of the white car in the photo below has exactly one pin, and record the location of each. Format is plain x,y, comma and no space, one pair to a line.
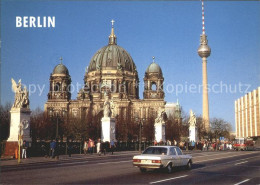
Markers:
156,157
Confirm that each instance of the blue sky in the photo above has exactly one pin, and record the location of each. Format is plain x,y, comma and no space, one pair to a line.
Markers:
168,30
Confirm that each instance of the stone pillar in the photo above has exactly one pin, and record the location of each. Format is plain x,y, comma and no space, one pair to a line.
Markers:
193,134
108,131
19,117
159,131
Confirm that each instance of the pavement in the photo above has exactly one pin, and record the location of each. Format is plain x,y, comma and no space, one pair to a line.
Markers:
213,167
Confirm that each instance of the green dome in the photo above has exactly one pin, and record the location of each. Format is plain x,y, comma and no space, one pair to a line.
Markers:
154,68
112,57
60,69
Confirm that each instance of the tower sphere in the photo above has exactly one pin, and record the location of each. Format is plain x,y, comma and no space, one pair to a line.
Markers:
204,50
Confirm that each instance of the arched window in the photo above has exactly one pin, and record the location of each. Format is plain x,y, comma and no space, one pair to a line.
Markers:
154,86
57,87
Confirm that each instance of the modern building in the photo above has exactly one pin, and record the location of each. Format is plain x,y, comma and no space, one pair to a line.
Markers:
111,70
247,115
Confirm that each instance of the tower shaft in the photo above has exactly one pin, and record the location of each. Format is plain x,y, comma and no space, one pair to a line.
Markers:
205,103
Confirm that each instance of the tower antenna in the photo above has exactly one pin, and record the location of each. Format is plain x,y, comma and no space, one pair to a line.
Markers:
203,18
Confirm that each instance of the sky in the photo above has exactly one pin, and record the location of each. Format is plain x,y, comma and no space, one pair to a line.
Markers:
168,30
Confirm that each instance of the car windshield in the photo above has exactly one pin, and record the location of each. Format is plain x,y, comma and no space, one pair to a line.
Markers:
156,151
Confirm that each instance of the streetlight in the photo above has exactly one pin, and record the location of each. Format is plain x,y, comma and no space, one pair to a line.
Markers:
140,123
20,133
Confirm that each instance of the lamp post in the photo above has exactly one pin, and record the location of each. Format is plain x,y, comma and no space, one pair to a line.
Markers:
140,123
20,133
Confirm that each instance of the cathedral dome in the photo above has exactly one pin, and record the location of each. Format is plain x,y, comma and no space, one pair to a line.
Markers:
112,57
60,69
154,68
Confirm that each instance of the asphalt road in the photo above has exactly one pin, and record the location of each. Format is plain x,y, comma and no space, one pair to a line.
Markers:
221,167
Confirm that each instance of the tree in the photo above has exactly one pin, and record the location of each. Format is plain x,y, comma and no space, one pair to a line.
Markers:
173,128
42,127
220,128
5,121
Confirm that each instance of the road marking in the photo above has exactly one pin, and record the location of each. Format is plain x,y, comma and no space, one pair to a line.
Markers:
221,158
221,164
115,162
61,164
241,162
168,179
242,182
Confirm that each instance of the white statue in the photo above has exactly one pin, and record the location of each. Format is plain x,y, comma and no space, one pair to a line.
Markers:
21,95
161,116
107,108
192,120
113,108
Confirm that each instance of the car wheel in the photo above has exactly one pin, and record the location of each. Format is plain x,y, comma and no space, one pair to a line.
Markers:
188,166
169,168
142,170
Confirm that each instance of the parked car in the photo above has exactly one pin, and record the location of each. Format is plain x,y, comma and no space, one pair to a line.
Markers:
162,157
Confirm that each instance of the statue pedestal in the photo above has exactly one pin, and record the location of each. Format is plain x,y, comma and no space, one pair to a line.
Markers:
159,132
193,134
18,115
108,131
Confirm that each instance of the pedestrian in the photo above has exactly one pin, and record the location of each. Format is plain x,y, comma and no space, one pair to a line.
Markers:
52,148
69,147
98,147
155,143
112,146
90,146
44,150
85,147
24,148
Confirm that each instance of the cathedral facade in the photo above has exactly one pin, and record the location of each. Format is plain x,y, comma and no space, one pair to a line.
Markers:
111,71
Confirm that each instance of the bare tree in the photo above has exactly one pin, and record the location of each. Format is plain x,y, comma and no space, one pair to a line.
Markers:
5,121
220,128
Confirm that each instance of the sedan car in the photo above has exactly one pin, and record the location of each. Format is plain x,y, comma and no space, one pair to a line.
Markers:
162,157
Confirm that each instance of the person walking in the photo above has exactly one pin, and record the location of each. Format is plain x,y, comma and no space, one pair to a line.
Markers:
90,146
24,148
52,148
98,147
85,147
69,147
112,146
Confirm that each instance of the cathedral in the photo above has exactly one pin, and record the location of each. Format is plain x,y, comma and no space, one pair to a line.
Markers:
111,71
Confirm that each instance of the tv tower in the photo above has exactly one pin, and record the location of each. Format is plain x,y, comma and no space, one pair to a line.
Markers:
204,52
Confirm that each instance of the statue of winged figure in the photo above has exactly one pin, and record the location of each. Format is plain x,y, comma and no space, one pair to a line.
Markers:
161,116
21,99
192,120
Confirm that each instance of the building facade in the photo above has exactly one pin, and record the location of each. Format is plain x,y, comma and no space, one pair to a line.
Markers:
247,115
111,70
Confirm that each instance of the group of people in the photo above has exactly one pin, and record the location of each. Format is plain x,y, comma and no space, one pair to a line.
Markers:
206,145
101,147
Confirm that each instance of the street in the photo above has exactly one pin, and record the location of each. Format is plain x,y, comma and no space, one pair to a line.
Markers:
214,167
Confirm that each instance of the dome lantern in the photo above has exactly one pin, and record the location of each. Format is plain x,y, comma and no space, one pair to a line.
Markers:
112,36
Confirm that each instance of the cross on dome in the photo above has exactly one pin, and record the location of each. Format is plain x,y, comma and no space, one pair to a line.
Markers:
61,60
112,21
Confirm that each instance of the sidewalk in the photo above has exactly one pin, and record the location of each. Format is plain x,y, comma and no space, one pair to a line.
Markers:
33,160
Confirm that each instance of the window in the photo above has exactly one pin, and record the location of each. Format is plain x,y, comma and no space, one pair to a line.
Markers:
172,151
154,87
156,151
179,152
